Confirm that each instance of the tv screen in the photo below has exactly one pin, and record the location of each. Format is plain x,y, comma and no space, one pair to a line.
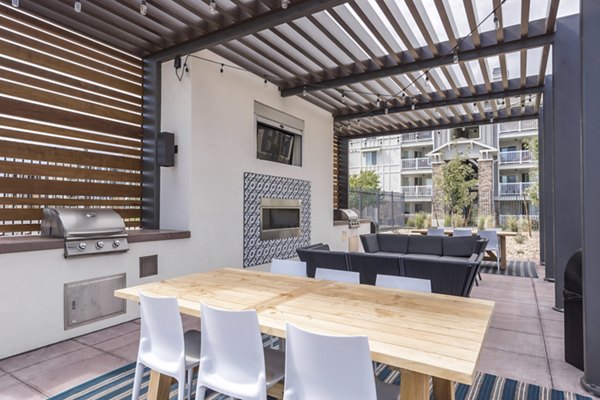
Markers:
276,145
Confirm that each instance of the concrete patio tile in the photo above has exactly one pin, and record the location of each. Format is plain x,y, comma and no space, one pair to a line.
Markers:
522,310
515,342
553,328
555,348
24,360
520,367
2,373
503,297
127,352
13,389
547,312
60,373
516,323
120,341
566,377
108,333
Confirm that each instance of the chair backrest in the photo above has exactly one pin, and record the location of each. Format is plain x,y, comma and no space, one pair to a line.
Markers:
337,275
435,231
161,330
232,347
327,367
403,282
492,236
288,267
462,232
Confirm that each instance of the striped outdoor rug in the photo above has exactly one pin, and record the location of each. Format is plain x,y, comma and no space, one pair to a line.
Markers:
117,384
524,269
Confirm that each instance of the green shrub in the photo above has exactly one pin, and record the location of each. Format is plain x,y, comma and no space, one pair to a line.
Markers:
523,224
410,222
520,239
420,220
490,222
512,225
447,220
458,220
428,221
481,222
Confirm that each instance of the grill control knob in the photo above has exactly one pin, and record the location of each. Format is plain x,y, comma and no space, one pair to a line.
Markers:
99,245
82,246
116,243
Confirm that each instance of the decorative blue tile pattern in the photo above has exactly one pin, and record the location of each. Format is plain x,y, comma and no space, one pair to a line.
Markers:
258,186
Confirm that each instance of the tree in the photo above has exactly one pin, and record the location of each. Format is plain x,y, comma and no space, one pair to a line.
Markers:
533,145
365,180
455,182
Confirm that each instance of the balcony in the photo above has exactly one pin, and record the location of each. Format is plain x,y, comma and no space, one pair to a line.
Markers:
417,192
416,163
515,157
517,127
514,189
417,137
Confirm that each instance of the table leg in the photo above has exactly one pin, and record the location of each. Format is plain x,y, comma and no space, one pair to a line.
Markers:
443,389
502,252
159,386
414,386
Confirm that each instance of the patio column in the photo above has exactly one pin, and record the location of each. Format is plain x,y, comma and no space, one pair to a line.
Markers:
567,147
546,168
541,224
485,185
437,207
590,216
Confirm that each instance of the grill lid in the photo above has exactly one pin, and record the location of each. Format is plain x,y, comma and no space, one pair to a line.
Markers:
81,222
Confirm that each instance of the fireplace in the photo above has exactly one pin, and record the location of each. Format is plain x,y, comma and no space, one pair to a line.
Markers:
279,218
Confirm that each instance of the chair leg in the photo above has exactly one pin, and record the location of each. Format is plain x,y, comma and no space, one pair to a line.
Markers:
137,380
190,375
200,392
479,275
181,387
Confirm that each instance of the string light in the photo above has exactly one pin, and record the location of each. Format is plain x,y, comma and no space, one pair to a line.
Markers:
77,6
455,57
143,7
496,21
412,107
386,111
212,7
285,4
378,102
222,68
343,97
265,81
304,92
15,3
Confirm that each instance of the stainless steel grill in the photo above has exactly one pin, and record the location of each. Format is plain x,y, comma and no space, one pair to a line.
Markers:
86,230
341,214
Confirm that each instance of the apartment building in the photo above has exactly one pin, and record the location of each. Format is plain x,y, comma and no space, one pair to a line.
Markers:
498,153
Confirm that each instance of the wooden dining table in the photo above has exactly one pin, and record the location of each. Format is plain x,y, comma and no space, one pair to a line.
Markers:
502,235
422,334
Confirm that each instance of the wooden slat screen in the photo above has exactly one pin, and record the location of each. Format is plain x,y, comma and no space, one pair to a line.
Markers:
70,123
336,181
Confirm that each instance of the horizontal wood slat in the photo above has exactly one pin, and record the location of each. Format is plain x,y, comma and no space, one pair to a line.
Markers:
58,100
82,40
55,202
20,168
25,54
7,133
52,187
41,127
46,153
51,115
19,228
36,214
67,91
46,74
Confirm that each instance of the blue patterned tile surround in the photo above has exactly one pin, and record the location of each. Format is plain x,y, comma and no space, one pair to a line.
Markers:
258,186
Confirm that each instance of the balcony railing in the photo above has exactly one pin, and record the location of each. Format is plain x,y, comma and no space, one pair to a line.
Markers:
417,191
514,189
417,137
515,157
416,163
517,126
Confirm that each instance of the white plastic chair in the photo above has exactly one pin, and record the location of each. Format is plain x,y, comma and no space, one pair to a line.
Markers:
288,267
163,346
331,367
233,361
337,275
493,244
403,282
435,231
458,232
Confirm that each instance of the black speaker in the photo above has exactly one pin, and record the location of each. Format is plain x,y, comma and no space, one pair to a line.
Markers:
166,149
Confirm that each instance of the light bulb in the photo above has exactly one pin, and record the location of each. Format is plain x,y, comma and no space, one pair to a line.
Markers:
304,92
143,7
343,98
412,107
212,7
15,3
378,102
455,57
496,22
285,4
77,6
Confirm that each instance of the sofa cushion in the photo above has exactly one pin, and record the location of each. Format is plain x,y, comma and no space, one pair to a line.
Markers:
462,246
430,257
456,259
425,245
370,243
393,243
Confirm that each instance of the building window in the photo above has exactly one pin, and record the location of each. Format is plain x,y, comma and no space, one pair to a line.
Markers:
370,158
508,179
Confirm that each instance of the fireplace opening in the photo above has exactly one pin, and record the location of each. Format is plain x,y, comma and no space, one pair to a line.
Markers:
280,218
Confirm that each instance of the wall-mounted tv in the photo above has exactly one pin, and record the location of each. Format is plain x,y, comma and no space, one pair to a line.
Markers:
275,144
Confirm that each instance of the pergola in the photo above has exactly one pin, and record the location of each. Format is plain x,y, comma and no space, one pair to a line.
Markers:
390,67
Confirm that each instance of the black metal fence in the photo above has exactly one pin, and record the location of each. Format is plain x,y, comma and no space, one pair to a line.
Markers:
387,209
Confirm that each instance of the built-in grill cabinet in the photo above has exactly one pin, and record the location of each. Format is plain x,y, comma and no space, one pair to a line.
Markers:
346,215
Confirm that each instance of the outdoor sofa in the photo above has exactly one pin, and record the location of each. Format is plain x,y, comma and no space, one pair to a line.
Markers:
450,263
